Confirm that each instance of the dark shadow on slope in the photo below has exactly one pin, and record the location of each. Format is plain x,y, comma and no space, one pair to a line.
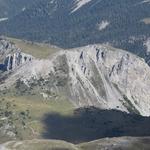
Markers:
2,67
92,123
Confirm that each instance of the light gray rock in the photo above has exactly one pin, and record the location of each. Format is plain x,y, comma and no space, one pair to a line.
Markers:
94,75
11,56
12,61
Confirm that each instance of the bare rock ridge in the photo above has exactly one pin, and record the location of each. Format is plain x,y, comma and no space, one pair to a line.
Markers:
94,75
11,57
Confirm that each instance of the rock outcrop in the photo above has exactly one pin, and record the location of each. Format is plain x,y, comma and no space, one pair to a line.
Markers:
94,75
16,59
11,56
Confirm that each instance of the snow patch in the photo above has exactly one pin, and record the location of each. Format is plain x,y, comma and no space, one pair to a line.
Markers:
3,19
103,25
79,4
146,1
24,8
147,44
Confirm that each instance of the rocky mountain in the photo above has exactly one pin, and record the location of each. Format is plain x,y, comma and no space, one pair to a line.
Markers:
94,75
74,23
95,88
64,75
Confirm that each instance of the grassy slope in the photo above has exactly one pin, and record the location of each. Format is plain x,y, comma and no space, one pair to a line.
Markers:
38,108
35,104
36,49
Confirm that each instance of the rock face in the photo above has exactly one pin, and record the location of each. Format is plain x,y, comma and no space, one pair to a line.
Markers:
95,75
6,48
11,57
16,59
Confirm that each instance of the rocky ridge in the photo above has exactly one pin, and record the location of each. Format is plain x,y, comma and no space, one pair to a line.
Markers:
95,75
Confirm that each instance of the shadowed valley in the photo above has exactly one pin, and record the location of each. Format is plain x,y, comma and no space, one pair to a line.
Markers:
87,124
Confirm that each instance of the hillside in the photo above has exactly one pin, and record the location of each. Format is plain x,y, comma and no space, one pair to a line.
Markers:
38,50
124,143
109,75
76,95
